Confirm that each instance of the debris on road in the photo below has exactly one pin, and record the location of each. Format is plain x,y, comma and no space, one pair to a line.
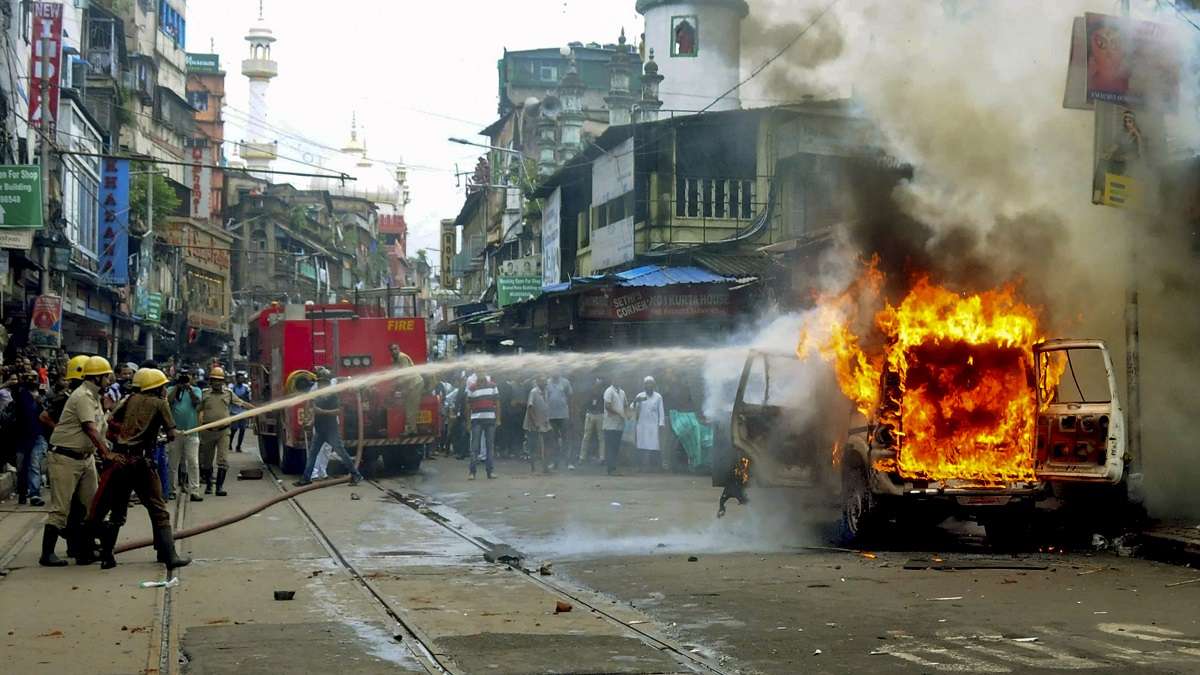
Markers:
974,564
504,555
561,607
948,598
817,652
545,570
250,474
285,595
1184,583
692,558
354,496
869,556
616,504
1025,639
160,584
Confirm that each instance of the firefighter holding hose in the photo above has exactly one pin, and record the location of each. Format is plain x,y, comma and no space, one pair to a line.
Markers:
71,465
138,420
214,443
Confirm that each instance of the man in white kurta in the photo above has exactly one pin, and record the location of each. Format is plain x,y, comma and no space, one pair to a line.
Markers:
651,416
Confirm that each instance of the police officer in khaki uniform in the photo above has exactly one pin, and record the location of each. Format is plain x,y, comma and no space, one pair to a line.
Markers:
70,464
138,419
214,406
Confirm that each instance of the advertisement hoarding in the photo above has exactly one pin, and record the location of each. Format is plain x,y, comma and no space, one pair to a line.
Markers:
612,173
45,322
200,178
1128,147
551,247
1132,63
651,304
449,250
114,221
45,66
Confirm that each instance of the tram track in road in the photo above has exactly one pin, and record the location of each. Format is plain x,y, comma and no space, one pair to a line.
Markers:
419,645
421,505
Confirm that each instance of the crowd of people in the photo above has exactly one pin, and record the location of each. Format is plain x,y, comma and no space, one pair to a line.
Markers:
549,423
92,436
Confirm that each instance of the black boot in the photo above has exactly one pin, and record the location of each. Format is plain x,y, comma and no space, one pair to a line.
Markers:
206,476
49,539
164,544
85,544
108,541
221,483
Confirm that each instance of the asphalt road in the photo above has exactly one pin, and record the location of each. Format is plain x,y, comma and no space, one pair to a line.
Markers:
761,591
640,577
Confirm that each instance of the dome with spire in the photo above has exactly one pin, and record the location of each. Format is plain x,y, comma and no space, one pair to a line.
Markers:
380,182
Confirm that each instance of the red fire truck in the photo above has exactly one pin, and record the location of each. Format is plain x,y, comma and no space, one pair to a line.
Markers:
351,341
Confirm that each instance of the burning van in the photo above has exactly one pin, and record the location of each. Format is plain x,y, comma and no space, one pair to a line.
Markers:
960,408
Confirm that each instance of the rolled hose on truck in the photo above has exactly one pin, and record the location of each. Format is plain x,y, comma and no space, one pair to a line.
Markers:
290,494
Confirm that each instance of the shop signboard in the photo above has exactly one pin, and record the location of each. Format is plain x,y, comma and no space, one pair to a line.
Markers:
656,304
114,221
20,198
551,247
46,65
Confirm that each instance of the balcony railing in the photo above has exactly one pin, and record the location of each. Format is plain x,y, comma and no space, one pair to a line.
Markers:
714,198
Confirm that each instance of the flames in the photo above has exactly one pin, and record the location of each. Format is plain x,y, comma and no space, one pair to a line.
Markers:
948,379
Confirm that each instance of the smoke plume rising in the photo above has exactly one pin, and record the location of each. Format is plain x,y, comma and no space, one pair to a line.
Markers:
970,95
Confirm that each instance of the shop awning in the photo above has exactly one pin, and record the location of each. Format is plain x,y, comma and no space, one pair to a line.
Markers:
654,276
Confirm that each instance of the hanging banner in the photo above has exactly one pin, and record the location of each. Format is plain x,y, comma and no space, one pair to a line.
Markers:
551,248
1128,156
114,221
201,182
45,322
44,67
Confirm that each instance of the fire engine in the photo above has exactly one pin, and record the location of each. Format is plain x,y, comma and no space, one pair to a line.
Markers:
351,340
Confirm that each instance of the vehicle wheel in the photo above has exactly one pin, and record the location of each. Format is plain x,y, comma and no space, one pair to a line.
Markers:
404,460
860,507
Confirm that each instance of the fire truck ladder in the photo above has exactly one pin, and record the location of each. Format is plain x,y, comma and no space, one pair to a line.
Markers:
322,341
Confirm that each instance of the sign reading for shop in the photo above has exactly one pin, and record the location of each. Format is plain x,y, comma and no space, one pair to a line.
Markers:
647,304
114,221
20,197
511,290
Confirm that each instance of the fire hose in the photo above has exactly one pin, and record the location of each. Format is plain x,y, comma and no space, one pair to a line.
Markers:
290,494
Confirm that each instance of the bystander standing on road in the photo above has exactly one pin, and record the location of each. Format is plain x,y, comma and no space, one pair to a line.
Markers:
650,416
25,433
558,401
325,411
184,451
593,422
483,402
614,425
240,389
537,425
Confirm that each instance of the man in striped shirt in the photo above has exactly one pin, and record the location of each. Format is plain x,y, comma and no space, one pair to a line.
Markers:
483,405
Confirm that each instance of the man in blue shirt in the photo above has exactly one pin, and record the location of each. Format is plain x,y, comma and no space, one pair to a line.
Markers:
241,389
184,399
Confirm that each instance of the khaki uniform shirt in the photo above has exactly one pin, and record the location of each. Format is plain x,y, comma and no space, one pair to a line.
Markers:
215,406
142,417
82,406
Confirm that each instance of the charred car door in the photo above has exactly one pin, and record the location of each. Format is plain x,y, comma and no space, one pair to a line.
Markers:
1081,433
772,423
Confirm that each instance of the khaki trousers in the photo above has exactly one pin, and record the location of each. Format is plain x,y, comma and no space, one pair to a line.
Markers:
70,479
184,453
593,428
214,444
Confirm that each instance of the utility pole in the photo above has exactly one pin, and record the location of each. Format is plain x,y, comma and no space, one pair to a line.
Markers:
1133,389
148,254
44,105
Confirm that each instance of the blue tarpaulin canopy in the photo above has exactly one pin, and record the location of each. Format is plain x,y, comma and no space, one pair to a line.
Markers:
655,276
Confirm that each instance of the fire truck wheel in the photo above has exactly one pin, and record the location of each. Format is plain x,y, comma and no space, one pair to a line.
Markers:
405,460
860,507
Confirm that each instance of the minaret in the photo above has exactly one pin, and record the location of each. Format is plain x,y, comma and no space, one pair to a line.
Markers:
257,150
570,94
620,75
699,49
648,107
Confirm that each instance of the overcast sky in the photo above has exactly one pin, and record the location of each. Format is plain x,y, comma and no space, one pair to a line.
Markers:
416,72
